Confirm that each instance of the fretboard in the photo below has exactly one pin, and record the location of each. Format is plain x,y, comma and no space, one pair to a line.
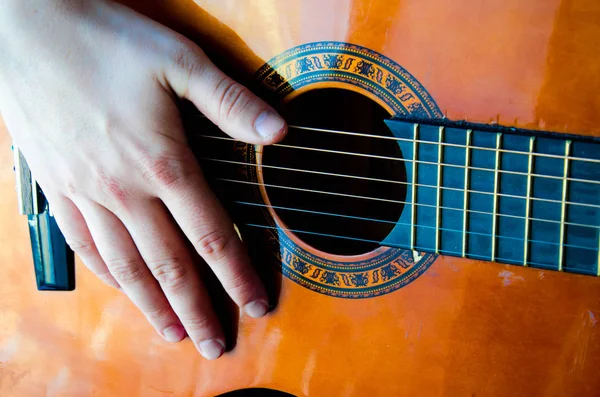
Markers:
504,196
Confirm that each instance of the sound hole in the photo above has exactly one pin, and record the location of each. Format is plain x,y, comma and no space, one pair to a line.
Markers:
334,221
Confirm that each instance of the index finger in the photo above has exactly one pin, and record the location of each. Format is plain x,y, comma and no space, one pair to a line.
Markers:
208,227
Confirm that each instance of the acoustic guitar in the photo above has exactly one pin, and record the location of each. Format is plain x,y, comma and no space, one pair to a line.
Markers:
429,226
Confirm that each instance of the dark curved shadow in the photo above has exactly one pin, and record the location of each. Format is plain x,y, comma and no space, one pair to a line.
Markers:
256,393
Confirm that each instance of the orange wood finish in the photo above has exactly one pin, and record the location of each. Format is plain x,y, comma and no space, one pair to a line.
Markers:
464,328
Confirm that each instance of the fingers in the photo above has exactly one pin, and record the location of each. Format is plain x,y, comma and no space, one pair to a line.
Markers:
236,110
211,232
161,245
73,226
123,260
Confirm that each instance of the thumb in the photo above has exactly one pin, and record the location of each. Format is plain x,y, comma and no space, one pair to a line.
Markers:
228,104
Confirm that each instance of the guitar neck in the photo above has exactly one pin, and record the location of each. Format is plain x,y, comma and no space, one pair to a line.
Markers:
515,198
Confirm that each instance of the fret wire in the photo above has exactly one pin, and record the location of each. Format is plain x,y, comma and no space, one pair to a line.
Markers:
495,197
413,215
393,201
563,208
438,191
393,181
528,202
299,127
332,214
397,159
429,142
466,193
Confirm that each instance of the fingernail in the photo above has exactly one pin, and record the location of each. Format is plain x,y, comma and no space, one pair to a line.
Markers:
268,124
174,333
256,309
211,349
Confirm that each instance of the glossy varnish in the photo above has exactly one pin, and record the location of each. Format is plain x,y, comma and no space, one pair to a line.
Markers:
464,327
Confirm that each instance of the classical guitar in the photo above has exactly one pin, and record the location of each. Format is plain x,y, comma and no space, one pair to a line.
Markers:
430,225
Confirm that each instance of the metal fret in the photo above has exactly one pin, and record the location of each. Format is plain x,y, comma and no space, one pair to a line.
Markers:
413,216
528,202
495,197
438,193
563,207
466,193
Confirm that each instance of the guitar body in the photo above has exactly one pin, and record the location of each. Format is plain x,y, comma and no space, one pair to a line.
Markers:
386,321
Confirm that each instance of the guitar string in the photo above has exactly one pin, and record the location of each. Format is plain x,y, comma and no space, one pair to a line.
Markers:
544,155
401,202
376,220
361,134
571,158
426,249
395,182
561,178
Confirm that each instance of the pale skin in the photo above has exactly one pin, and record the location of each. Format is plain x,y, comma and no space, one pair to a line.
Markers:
87,91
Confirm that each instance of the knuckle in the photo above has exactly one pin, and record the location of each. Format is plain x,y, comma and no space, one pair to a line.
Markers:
154,312
171,273
181,56
239,284
233,98
196,327
111,187
214,244
126,270
189,59
71,189
167,171
81,247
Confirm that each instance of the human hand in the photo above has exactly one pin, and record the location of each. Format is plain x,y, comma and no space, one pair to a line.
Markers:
88,92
